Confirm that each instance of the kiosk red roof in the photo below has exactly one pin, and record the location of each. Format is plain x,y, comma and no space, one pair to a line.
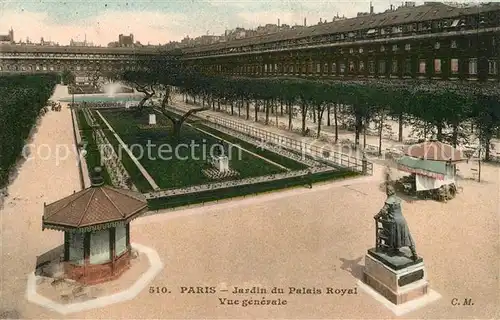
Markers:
94,206
434,150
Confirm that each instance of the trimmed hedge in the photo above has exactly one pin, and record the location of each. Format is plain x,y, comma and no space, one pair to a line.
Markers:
239,191
21,99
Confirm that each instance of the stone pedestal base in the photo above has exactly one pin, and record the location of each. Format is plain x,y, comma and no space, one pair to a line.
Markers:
98,273
152,119
221,163
397,280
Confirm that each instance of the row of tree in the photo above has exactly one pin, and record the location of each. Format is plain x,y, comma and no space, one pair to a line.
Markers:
23,97
447,110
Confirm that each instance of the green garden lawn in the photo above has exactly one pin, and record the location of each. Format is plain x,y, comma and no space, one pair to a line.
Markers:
185,170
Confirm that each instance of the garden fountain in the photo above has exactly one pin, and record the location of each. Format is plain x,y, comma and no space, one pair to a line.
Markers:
111,88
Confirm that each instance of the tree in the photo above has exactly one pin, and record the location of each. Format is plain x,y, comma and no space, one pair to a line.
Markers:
142,81
95,77
322,93
67,77
177,122
486,116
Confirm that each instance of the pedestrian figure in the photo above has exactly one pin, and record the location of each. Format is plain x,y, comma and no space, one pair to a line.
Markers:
309,179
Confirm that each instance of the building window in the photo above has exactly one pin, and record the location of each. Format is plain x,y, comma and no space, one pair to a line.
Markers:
360,50
407,69
99,247
325,67
342,67
437,45
394,47
382,48
351,50
318,68
361,66
397,30
381,67
352,67
453,44
437,65
371,66
454,66
394,66
492,67
120,239
407,47
422,67
473,66
334,68
76,245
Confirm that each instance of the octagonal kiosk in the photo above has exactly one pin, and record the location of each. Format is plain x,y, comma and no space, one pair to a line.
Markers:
96,226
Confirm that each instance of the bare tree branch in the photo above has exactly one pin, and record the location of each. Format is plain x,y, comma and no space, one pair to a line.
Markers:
193,111
165,113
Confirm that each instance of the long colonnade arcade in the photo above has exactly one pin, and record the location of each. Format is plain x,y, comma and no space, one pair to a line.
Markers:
447,59
432,41
76,66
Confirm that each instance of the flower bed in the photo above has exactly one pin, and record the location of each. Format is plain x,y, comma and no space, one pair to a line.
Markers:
93,157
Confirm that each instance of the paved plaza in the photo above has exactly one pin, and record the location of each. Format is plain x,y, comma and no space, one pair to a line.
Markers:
302,238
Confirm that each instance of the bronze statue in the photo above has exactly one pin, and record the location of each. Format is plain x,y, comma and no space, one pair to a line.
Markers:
394,233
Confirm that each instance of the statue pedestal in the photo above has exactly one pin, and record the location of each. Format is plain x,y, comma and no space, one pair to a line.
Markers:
398,278
221,163
152,119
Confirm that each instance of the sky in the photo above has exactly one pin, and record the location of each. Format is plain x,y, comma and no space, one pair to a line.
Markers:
161,21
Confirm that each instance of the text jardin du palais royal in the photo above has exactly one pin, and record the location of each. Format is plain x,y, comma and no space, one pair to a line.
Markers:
256,296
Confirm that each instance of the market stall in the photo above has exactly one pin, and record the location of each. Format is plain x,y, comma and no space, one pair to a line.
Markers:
432,168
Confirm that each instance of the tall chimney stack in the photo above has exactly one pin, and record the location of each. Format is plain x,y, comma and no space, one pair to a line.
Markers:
371,8
278,22
305,22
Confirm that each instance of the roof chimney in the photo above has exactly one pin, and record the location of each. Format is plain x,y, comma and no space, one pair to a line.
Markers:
96,178
320,20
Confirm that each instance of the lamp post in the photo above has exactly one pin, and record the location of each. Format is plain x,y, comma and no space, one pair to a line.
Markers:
479,164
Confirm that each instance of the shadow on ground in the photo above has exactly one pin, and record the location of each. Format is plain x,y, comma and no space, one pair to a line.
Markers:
48,264
353,267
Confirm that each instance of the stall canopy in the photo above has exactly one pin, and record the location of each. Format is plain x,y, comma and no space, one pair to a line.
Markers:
434,169
434,151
